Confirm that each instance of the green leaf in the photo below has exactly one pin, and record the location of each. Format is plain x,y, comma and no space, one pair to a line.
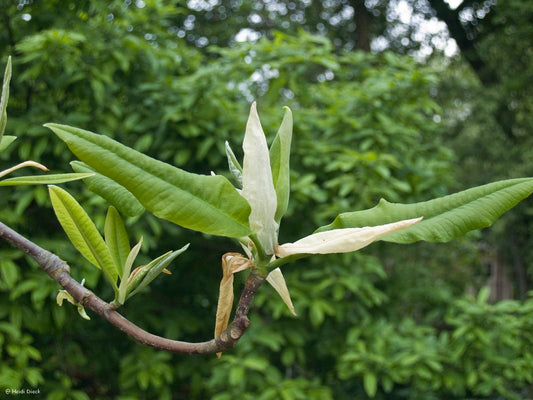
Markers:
233,164
153,269
123,288
5,141
82,232
5,97
111,191
117,239
370,383
42,179
445,218
279,163
204,203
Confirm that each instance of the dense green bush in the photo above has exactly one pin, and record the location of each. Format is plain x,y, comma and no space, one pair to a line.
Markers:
364,129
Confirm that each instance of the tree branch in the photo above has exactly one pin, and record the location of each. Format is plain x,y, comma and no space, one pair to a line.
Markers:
59,270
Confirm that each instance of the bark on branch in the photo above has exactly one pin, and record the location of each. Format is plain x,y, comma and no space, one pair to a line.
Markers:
59,270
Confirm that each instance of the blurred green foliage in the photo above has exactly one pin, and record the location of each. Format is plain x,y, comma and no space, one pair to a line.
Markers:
397,326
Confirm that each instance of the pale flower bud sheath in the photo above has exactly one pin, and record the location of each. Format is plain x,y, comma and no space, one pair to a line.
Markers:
257,186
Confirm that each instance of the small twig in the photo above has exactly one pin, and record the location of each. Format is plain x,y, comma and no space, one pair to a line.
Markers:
59,270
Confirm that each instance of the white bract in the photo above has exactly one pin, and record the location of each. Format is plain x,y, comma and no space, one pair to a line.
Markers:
257,186
341,240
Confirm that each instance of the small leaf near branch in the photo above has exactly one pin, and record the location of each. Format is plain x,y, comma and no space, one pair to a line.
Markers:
64,295
117,239
142,276
123,288
82,232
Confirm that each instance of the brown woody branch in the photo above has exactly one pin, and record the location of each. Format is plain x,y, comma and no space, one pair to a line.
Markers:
59,270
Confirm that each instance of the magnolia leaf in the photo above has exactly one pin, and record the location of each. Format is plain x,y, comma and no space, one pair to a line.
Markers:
4,98
82,233
204,203
343,240
123,288
139,273
5,141
445,218
117,240
277,281
231,263
111,191
234,166
280,163
257,185
151,271
43,179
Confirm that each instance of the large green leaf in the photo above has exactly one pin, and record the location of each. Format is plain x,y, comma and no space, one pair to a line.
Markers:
115,194
82,232
445,218
204,203
279,163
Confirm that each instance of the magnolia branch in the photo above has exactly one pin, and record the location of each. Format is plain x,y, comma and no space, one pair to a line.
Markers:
59,270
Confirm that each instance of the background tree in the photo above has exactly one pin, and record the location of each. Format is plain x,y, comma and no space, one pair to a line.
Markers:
366,126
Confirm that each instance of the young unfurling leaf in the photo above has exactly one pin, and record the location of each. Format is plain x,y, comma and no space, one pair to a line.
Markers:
142,276
82,233
123,288
280,151
117,240
234,166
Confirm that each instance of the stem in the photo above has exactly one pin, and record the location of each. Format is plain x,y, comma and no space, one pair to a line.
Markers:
261,258
22,165
285,260
59,270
